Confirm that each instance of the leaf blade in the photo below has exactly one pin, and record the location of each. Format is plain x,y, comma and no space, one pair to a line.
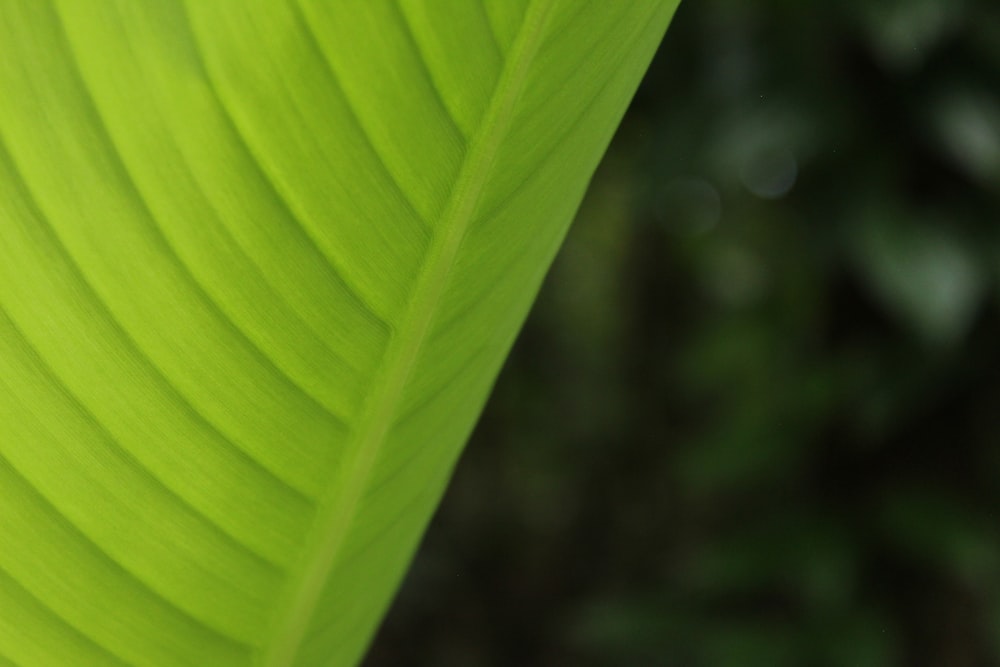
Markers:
295,243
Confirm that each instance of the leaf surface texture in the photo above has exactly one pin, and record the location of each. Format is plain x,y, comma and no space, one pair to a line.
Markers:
260,263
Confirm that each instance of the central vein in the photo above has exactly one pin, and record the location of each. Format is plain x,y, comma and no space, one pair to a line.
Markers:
337,511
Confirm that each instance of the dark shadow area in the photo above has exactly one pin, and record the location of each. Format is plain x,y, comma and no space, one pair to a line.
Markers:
754,418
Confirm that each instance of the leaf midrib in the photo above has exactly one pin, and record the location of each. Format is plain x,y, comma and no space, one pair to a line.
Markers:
337,511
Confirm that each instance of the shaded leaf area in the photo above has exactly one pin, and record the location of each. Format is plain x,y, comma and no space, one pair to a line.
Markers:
754,419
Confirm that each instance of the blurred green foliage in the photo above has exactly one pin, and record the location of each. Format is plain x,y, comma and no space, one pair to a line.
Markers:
754,417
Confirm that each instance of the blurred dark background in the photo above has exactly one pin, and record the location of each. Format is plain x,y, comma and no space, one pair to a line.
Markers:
754,417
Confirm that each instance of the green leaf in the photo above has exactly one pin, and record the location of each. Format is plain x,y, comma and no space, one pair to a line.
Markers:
260,263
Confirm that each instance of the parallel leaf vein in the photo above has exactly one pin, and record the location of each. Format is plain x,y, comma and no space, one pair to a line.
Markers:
310,32
119,451
46,506
159,239
425,71
111,658
157,374
337,269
